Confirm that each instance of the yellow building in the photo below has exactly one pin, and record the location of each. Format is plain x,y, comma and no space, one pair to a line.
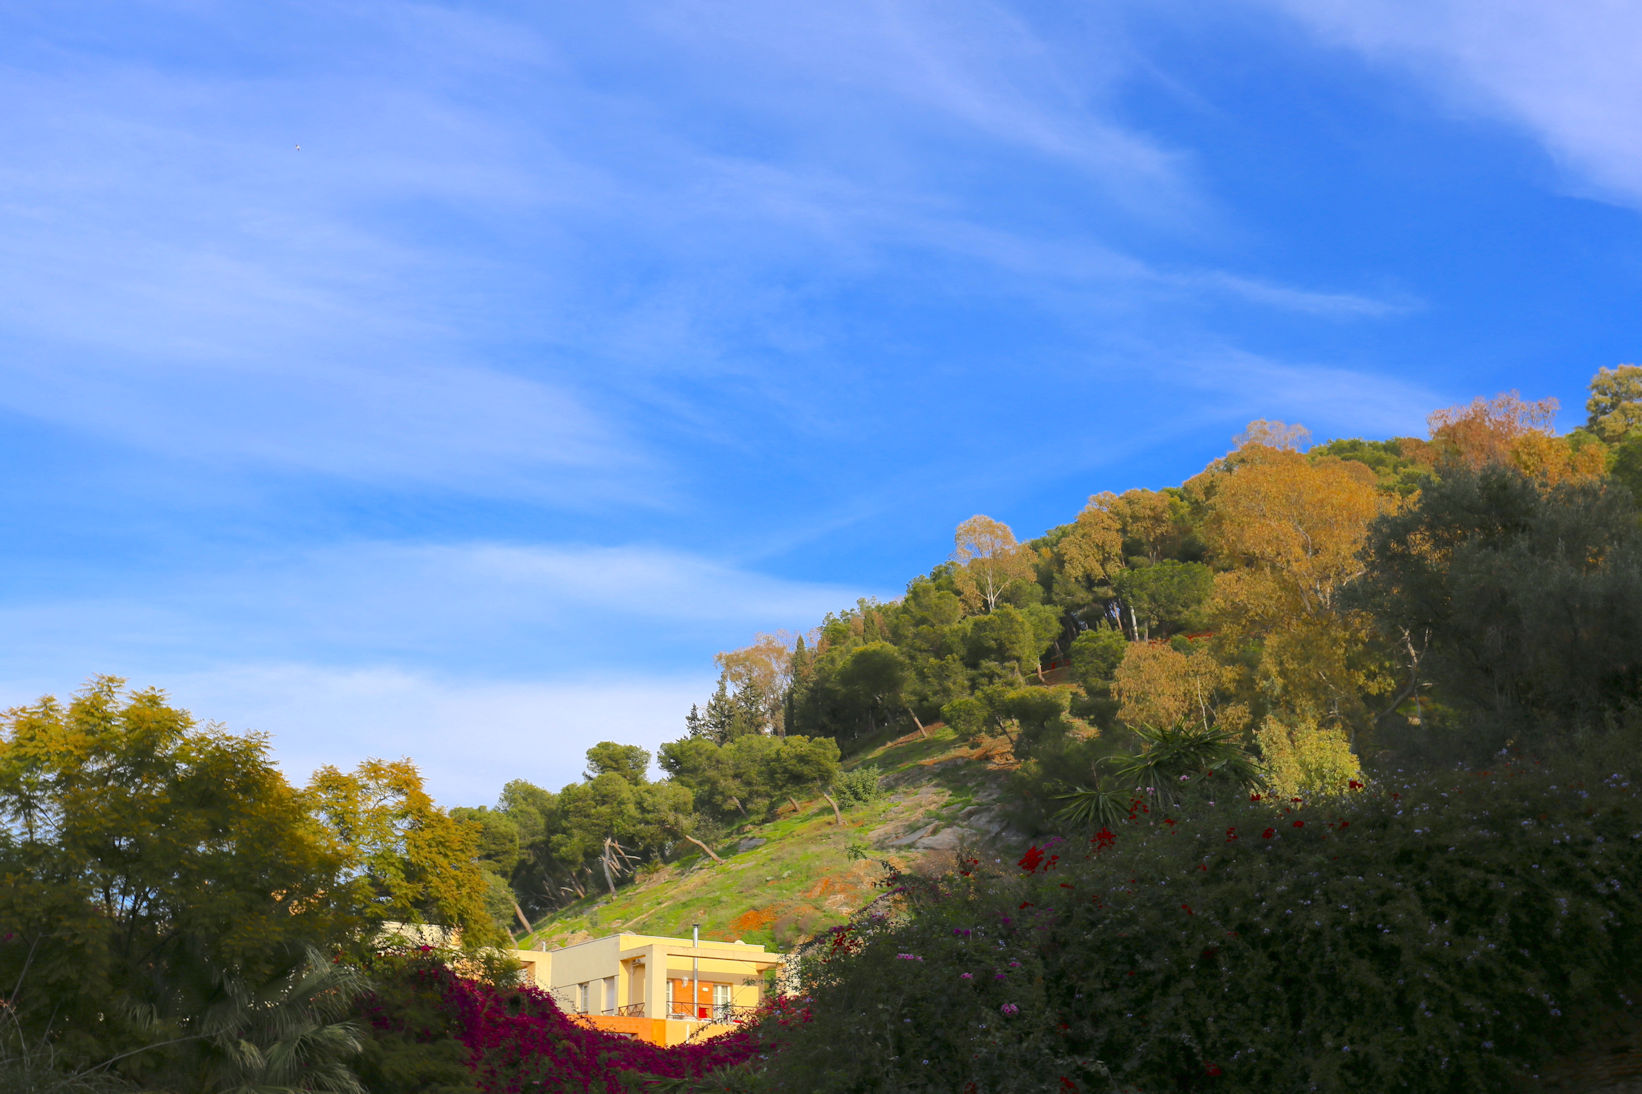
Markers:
642,985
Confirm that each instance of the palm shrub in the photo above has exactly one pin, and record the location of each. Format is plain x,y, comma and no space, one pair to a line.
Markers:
1172,766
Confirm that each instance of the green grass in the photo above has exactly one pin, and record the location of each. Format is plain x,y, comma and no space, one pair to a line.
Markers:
804,877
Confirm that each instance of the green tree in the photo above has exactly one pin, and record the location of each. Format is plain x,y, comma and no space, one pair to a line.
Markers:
1007,644
501,850
1520,601
1096,654
139,851
594,819
706,769
629,761
1615,405
870,679
1166,595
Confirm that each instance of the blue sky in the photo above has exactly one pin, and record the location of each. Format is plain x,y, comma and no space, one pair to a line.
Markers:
578,342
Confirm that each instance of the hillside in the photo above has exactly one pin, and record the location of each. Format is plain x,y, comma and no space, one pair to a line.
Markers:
784,879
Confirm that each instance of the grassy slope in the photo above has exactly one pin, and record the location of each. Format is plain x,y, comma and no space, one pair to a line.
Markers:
810,873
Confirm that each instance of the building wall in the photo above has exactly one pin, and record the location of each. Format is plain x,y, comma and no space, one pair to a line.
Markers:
598,977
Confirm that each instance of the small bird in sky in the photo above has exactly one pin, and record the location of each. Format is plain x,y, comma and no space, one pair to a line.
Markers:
299,148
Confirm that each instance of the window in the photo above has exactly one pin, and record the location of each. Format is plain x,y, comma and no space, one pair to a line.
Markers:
609,995
721,1001
581,997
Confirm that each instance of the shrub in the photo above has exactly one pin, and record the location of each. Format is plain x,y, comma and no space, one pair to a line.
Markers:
433,1030
1302,757
1439,933
858,787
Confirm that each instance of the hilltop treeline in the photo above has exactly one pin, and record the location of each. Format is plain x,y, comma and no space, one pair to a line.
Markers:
1280,616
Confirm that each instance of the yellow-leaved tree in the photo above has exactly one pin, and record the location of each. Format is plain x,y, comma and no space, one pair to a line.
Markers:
988,562
1288,530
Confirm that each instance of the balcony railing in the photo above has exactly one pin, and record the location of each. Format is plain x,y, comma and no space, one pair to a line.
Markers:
716,1012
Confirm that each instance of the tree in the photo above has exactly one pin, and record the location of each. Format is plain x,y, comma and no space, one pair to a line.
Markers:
594,818
540,878
1484,431
1289,531
1157,685
804,765
870,678
141,851
1165,594
988,561
732,714
1505,431
500,852
1521,601
1154,523
1006,639
629,761
1273,434
410,861
1615,405
705,768
1096,654
1090,554
764,669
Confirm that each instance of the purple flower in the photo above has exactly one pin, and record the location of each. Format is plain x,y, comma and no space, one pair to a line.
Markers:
1010,1009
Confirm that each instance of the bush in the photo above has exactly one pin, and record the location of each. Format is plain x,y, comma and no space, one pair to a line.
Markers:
432,1030
1440,933
1302,757
858,787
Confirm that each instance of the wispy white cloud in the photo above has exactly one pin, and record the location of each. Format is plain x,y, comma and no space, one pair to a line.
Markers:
1330,305
1330,400
1566,72
525,611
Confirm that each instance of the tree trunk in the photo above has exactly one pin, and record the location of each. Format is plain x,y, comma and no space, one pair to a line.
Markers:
837,816
520,912
705,848
922,732
795,806
608,880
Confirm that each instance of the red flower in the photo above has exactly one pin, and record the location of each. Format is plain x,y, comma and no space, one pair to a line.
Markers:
1029,861
1254,797
1231,833
1268,833
1187,908
1169,821
1211,1070
1355,784
1299,824
1103,839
